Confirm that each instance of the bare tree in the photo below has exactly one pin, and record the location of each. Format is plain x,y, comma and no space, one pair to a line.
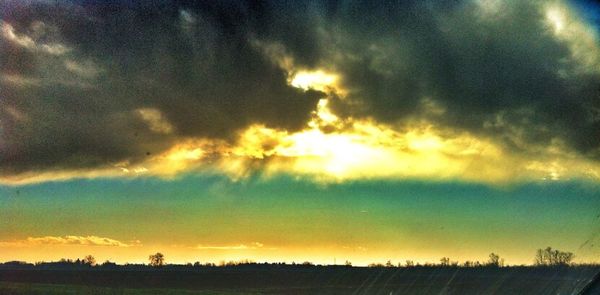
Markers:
552,257
565,258
539,257
445,261
157,260
89,260
495,260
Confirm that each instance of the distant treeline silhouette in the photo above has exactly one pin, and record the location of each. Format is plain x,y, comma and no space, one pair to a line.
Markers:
547,257
551,256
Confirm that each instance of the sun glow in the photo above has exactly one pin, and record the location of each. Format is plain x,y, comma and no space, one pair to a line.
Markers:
317,80
179,158
363,148
556,17
331,148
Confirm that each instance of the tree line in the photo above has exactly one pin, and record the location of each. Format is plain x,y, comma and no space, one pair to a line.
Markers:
543,258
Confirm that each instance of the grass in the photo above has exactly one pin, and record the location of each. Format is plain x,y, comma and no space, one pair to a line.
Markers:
297,280
55,289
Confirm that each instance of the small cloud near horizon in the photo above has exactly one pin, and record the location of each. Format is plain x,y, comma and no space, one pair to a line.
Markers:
69,240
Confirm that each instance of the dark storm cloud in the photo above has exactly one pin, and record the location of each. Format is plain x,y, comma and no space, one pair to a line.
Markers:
74,75
496,71
70,93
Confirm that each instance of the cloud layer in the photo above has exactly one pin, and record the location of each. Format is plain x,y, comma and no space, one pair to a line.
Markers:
92,85
87,88
68,240
525,73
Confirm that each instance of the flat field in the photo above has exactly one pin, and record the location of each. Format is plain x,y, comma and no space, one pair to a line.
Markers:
297,280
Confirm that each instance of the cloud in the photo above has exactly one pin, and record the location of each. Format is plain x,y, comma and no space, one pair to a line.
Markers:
366,149
68,240
131,83
8,32
86,68
512,65
155,120
411,89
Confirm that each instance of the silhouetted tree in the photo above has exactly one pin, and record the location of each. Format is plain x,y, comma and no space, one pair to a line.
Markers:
445,261
552,257
540,257
157,260
495,260
89,260
389,264
410,263
108,263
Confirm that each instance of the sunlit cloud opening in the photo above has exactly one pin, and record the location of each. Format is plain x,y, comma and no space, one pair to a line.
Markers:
179,158
185,154
556,17
317,80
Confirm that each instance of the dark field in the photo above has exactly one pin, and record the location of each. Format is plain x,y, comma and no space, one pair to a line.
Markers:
297,280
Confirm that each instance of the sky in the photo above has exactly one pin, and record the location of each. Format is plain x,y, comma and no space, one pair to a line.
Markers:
316,131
